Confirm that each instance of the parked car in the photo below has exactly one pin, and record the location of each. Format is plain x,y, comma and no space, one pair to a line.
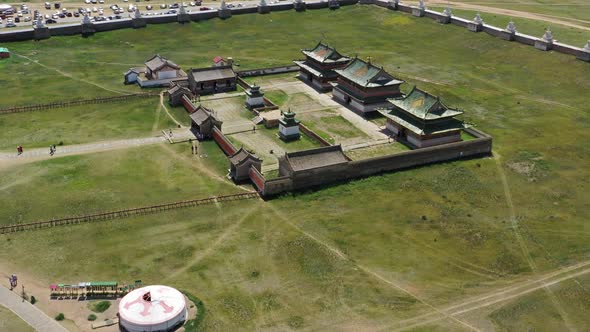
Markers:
163,6
174,6
47,5
17,20
93,2
50,21
10,25
76,14
57,5
171,12
101,1
204,8
27,19
149,7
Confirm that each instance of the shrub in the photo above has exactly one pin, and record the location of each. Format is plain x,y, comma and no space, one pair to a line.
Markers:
60,316
101,306
33,300
92,317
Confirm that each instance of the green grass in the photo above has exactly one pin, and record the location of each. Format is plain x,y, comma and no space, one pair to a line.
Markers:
192,325
330,126
442,232
99,306
278,97
82,124
9,321
106,181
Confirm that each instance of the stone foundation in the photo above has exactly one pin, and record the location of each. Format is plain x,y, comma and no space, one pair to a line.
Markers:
184,18
137,23
224,13
543,45
418,12
88,30
443,19
475,27
263,9
41,33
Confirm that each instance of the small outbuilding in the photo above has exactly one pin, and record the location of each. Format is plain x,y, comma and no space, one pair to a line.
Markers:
422,120
203,121
240,163
203,81
4,53
131,75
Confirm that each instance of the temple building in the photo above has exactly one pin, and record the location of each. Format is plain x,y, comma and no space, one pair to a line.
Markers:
203,81
159,68
289,127
240,163
422,120
254,97
364,87
203,121
318,67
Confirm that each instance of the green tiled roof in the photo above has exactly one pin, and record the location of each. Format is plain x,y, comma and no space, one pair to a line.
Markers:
424,106
103,283
367,75
423,127
325,53
3,49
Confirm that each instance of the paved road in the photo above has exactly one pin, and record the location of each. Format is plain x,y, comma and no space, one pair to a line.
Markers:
28,312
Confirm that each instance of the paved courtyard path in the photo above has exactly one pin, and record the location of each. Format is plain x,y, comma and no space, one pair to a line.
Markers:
28,312
31,155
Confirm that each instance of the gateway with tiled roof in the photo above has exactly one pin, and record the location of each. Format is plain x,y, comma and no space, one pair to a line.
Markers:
203,120
365,87
319,64
240,163
423,120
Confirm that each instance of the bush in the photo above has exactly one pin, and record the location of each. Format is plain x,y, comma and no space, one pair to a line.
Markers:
92,317
60,316
101,306
33,300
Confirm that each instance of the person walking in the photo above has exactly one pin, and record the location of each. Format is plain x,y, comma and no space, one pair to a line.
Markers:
19,150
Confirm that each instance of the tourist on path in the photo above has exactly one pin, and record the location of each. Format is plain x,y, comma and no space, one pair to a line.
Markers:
19,150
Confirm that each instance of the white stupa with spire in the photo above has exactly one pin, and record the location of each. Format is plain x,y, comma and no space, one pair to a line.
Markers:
548,36
137,13
39,23
478,19
587,47
447,12
511,27
182,10
86,20
262,3
421,5
223,5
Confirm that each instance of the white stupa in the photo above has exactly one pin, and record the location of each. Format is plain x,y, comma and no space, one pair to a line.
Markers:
548,36
152,308
478,20
587,47
447,12
86,19
39,23
421,5
137,13
511,27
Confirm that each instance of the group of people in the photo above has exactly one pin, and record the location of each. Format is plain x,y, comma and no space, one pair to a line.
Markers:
52,149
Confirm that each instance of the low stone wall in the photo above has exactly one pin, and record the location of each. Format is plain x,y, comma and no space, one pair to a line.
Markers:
224,143
313,135
241,82
268,71
72,29
188,104
481,145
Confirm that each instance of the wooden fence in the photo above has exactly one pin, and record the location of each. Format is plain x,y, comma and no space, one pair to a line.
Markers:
62,104
125,213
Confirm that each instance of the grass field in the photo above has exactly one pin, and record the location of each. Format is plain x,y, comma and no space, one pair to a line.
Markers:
372,254
9,321
83,124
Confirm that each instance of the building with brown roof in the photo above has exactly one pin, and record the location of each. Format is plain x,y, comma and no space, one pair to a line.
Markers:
364,87
203,81
158,72
203,120
313,167
318,67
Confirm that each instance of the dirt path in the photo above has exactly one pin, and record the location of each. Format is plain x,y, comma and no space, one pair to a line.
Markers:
368,271
515,290
166,109
199,255
68,75
510,12
522,243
